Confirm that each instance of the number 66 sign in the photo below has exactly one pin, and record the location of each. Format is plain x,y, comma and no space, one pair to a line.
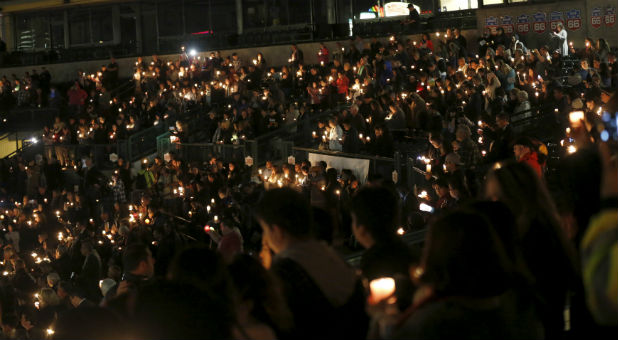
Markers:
574,20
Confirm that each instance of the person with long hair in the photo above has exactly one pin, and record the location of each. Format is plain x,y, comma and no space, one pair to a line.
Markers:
547,253
468,286
602,49
262,311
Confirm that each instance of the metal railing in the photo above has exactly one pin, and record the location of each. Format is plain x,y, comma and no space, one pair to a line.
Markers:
124,88
13,142
27,118
55,56
144,142
538,124
465,19
69,154
413,238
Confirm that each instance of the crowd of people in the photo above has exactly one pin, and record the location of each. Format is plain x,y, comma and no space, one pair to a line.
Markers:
33,90
516,246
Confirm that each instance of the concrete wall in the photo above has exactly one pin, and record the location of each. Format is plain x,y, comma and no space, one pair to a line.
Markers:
275,56
535,40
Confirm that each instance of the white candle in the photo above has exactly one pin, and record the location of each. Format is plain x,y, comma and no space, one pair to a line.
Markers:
428,167
382,288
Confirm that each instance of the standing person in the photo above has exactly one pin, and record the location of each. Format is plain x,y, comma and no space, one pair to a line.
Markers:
472,289
296,58
2,51
547,252
335,135
112,73
414,19
502,135
323,293
230,241
323,55
91,271
374,224
426,42
460,41
561,34
77,97
343,84
599,247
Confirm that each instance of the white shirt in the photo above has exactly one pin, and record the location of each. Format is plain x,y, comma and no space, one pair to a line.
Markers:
564,48
334,136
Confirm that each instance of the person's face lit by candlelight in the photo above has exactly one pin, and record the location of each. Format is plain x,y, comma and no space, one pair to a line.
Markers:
453,192
441,191
361,233
492,189
520,151
455,145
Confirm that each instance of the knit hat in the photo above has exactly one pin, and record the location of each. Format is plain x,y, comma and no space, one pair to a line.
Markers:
524,141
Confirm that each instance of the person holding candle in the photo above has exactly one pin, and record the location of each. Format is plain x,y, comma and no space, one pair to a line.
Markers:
374,212
351,141
445,200
502,136
335,135
322,292
548,254
323,54
296,57
229,241
343,84
470,288
382,145
49,307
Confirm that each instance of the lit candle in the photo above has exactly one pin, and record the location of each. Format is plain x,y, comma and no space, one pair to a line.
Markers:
381,288
428,167
571,149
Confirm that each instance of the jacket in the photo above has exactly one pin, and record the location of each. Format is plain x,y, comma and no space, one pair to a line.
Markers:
532,159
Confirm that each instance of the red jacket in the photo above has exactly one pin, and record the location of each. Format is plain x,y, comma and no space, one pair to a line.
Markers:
77,96
323,55
532,159
342,85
